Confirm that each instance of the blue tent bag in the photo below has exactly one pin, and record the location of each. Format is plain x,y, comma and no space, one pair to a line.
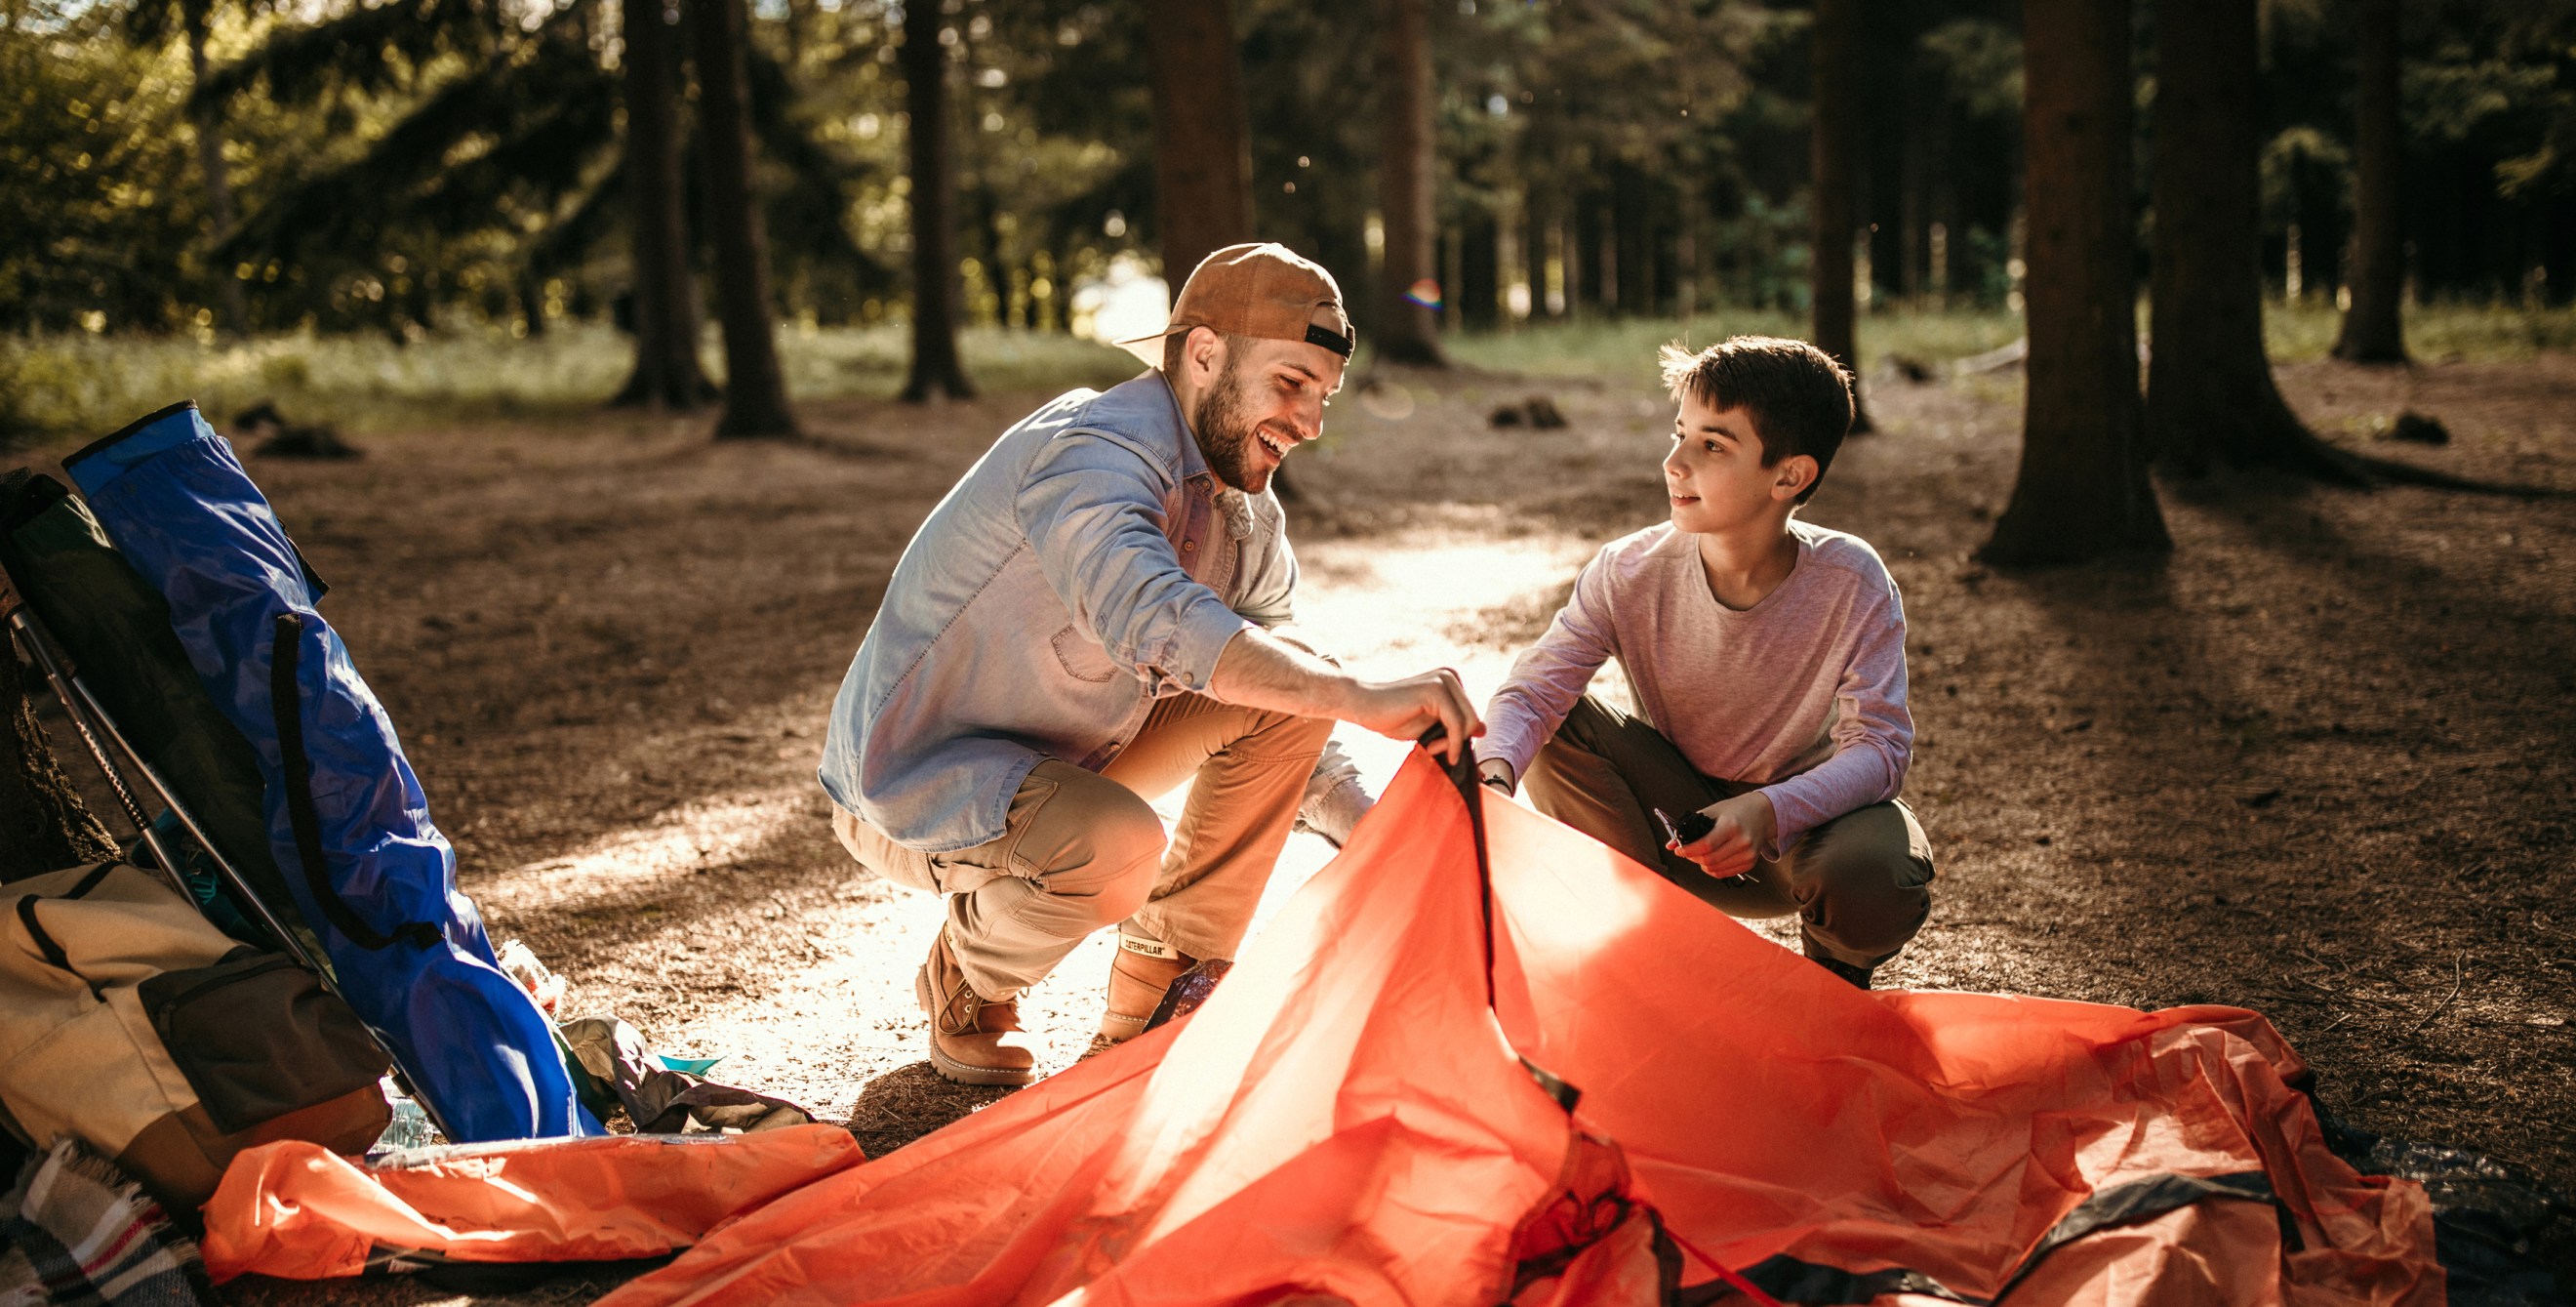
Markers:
346,816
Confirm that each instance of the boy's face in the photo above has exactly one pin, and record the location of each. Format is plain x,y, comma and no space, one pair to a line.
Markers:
1714,476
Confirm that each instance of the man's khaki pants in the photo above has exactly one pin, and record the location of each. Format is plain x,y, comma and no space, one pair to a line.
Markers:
1083,850
1859,883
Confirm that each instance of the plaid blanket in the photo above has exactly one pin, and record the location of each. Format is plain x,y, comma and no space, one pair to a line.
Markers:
75,1232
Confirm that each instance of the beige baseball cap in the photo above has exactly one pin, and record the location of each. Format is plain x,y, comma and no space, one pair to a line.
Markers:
1262,289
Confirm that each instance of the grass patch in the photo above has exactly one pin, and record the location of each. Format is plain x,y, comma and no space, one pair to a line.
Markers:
62,389
1624,350
2435,333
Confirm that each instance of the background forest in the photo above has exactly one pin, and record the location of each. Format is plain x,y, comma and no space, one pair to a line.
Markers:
211,171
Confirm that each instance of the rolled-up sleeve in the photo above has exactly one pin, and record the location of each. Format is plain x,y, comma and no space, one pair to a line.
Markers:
1092,509
1549,676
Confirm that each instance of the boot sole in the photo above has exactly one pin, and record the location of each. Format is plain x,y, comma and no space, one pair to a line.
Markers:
949,1068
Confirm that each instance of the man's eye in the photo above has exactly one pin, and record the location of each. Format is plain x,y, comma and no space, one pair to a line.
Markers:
1711,444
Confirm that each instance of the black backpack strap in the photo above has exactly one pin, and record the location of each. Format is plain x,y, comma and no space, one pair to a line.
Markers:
46,944
286,704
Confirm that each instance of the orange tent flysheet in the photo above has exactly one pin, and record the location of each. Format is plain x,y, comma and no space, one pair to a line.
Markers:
1354,1115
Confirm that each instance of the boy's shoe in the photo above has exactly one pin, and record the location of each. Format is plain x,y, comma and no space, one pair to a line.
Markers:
972,1042
1138,977
1335,797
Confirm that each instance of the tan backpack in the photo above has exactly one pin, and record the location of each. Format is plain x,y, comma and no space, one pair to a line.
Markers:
131,1023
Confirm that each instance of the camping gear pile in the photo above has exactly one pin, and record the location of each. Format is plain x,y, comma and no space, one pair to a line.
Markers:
298,929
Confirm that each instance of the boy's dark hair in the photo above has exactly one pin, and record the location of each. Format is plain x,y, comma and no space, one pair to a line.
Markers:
1800,400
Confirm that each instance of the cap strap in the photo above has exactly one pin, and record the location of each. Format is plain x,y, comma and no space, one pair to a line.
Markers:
1330,340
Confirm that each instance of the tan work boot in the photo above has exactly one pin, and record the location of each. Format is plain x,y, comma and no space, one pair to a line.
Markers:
1138,977
972,1042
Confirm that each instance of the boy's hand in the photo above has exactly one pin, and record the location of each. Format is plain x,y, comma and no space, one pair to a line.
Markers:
1745,825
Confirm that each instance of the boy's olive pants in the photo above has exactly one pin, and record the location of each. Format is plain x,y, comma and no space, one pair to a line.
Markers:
1858,883
1082,850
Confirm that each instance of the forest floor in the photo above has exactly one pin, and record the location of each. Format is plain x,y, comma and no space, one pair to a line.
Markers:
2321,762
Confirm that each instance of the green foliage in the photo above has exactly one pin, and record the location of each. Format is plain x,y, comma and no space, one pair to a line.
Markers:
96,216
431,169
1979,61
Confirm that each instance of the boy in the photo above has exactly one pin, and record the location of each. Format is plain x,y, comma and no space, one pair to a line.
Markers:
1767,660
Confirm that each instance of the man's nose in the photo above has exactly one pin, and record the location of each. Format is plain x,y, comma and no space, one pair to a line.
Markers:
1307,420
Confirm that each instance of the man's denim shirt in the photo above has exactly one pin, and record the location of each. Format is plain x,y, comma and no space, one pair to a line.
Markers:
1079,571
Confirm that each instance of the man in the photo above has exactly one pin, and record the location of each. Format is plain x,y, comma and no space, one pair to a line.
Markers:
1084,623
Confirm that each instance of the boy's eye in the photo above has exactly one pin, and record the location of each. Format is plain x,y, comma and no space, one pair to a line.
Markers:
1711,445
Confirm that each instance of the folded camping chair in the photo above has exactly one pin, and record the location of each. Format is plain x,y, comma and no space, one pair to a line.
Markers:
347,829
110,635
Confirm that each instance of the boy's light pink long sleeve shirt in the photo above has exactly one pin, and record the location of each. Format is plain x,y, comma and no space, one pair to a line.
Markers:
1802,694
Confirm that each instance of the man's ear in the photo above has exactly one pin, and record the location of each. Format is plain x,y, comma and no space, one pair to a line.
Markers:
1792,475
1206,353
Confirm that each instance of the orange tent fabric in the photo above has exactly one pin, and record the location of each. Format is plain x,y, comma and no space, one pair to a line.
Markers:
1351,1117
300,1211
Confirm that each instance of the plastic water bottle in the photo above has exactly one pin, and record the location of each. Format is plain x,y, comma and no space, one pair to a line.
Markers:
410,1127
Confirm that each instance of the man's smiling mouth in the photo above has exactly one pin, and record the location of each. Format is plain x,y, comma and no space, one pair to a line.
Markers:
1277,450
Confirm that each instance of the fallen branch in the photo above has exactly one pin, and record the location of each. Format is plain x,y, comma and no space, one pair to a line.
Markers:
2457,976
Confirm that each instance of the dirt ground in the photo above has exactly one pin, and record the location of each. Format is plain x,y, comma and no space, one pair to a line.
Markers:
2320,763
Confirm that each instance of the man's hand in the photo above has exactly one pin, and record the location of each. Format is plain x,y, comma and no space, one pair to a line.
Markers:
1261,670
1745,825
1497,773
1408,709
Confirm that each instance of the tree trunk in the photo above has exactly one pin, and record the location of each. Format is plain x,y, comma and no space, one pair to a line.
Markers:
208,120
2210,397
1202,132
1835,92
1629,242
667,374
2083,490
44,826
1536,222
1583,282
2372,332
531,291
1405,333
936,368
1480,272
755,387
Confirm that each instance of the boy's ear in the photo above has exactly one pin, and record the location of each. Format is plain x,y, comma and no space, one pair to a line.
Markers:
1791,476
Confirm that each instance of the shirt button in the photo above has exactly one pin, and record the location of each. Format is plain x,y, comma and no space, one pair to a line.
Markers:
1189,546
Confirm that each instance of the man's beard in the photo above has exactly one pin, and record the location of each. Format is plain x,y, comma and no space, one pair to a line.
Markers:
1225,431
